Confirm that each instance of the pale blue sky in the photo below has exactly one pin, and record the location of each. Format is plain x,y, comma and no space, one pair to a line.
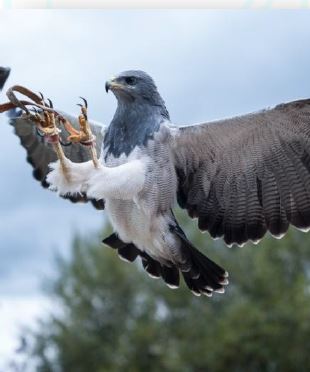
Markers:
207,64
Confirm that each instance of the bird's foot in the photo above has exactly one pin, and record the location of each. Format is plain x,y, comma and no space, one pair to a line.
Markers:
84,135
45,120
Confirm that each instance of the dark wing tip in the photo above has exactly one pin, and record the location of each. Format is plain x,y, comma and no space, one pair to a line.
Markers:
4,74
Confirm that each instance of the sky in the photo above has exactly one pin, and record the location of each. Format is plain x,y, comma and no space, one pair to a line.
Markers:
207,65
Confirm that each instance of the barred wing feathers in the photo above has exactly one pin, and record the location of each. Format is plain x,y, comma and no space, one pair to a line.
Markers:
243,176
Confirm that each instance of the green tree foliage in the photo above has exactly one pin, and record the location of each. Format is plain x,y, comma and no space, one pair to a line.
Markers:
115,318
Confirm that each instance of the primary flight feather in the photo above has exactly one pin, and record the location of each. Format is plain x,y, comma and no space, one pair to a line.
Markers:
240,177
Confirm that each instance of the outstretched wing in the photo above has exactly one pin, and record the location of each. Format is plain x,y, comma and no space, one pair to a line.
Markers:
246,175
40,153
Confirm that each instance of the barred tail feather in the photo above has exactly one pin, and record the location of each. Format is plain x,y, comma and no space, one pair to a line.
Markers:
211,277
201,275
129,252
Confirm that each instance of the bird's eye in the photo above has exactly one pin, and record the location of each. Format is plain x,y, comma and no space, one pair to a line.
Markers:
130,80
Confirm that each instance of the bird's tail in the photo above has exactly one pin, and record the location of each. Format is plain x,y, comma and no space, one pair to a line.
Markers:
201,275
129,252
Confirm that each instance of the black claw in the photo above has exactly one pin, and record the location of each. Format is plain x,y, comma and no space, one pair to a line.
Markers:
65,143
83,107
42,97
85,102
39,133
51,103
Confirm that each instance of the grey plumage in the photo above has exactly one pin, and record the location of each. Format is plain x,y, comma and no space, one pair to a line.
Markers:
241,177
138,115
249,174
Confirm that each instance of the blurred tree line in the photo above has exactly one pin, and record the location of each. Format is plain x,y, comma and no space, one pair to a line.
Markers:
115,318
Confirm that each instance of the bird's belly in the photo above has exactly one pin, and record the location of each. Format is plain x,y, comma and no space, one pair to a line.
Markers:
128,219
136,225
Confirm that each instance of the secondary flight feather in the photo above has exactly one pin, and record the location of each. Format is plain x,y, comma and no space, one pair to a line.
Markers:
240,177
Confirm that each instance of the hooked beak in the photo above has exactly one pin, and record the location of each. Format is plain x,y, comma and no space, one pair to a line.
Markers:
107,86
113,85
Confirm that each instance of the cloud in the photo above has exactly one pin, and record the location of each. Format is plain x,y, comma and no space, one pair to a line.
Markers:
207,64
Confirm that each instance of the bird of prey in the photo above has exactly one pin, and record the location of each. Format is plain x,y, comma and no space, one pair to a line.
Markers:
240,177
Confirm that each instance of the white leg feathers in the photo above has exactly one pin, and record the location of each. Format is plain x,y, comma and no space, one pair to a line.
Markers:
73,181
121,182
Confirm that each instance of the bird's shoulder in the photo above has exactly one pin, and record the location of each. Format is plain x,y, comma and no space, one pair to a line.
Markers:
150,149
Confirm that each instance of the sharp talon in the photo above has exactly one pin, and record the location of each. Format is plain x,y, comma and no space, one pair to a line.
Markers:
42,99
51,103
85,102
79,104
24,109
69,143
39,133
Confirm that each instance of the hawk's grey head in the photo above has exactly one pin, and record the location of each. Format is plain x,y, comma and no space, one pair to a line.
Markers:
134,86
139,114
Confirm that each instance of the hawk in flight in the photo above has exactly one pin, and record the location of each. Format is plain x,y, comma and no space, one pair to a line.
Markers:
240,177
